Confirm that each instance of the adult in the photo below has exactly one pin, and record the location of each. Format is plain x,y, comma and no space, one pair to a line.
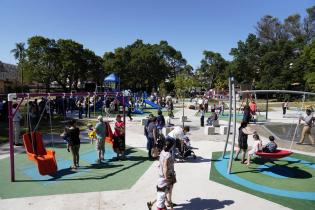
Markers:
73,135
33,117
213,117
202,116
119,138
308,124
243,133
130,106
246,114
206,104
16,125
152,136
253,109
100,130
222,108
167,176
271,146
146,125
170,108
87,107
107,107
177,135
285,106
80,104
160,120
200,104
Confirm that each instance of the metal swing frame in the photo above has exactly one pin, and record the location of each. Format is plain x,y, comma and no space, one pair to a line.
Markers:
14,96
232,95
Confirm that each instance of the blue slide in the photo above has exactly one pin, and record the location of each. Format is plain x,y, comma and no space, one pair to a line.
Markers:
153,105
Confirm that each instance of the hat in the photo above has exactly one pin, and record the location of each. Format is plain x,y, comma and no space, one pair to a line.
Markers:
100,118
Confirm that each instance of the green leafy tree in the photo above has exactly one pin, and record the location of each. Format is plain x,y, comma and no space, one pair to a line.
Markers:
213,68
42,59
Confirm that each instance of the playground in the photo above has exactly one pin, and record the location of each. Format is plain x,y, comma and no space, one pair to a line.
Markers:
113,175
202,183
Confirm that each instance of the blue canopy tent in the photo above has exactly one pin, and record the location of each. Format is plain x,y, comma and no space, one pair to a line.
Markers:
112,82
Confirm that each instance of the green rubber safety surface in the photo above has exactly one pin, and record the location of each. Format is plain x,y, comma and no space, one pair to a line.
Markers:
90,177
288,181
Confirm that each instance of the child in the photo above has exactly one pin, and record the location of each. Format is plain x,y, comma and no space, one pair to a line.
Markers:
202,116
256,147
162,189
271,146
92,133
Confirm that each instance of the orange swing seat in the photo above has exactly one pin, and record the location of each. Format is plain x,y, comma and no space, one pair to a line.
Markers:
35,150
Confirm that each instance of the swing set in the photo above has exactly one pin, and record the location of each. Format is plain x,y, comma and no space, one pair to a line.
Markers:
232,103
33,140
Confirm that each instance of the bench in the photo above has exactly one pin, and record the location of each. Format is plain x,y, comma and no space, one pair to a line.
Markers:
223,129
209,130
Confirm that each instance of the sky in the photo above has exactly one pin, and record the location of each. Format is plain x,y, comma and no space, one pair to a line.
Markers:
190,26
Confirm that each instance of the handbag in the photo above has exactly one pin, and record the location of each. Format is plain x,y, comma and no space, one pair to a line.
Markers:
154,152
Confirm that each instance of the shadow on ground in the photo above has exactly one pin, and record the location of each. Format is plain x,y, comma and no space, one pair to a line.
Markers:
204,204
284,170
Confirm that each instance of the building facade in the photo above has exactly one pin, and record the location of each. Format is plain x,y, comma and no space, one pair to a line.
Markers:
9,77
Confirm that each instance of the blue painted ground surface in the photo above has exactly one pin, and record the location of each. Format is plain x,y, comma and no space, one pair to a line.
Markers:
222,165
86,158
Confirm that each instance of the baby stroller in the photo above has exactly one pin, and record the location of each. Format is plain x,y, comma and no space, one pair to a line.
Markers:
185,149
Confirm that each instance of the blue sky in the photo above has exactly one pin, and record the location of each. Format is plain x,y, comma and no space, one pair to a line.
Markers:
190,26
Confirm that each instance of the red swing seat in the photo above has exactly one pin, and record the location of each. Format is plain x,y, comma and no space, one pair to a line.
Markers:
45,159
275,155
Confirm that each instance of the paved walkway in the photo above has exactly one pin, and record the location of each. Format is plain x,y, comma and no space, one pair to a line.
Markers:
194,190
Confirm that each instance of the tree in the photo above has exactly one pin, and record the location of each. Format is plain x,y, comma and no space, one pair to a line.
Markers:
19,54
308,59
309,24
213,68
270,29
143,66
173,58
183,84
42,54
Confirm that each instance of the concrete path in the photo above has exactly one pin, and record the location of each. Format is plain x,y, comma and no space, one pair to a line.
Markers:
193,190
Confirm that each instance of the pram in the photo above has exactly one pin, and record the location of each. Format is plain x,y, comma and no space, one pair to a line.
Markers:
184,149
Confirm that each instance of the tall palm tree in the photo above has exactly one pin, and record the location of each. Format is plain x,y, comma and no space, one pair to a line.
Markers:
19,54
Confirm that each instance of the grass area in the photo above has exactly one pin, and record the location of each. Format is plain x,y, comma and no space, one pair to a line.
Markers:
90,177
287,174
